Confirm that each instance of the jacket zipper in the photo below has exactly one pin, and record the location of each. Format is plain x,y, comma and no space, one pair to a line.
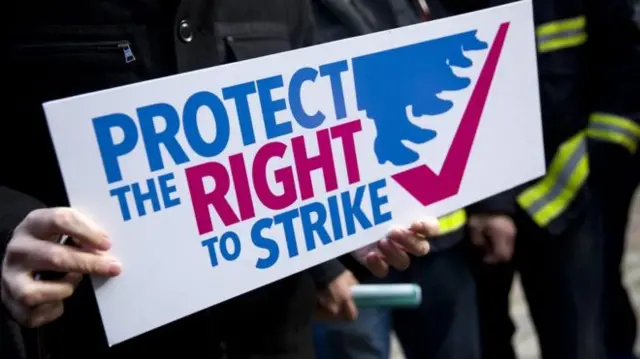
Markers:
102,46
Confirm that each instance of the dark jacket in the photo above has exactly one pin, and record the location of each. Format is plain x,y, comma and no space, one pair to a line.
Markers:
62,48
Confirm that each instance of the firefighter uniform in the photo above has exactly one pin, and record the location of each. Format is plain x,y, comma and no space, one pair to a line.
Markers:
615,171
588,69
613,139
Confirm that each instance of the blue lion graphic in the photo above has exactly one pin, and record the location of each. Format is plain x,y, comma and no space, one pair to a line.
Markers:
388,81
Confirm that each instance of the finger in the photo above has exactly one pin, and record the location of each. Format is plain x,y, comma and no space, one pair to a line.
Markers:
49,256
477,237
323,300
503,249
490,258
406,240
428,227
396,257
44,314
64,220
30,293
377,264
350,311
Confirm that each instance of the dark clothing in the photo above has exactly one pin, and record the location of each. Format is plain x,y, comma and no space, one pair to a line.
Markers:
77,46
339,19
562,280
589,68
445,326
596,73
615,174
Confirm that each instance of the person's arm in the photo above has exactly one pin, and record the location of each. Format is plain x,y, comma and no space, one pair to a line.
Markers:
303,29
614,53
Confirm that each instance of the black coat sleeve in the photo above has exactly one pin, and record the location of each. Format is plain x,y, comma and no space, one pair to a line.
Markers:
614,52
501,203
326,272
14,207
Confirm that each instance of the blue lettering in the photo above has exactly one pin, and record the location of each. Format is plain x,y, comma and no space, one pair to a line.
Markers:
233,253
271,106
240,95
334,70
353,211
286,219
265,243
153,139
166,189
295,88
140,198
221,119
121,194
336,223
109,149
211,246
310,226
378,200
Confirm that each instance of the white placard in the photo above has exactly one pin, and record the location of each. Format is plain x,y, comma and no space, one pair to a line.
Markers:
215,182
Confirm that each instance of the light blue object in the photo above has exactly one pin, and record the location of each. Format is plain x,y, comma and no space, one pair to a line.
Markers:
386,295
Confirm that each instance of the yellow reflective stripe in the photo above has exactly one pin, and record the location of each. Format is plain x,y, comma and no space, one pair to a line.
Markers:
562,201
551,28
453,221
613,137
616,121
562,43
569,168
561,34
527,198
616,129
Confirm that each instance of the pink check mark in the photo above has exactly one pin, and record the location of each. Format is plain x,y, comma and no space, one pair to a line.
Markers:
421,182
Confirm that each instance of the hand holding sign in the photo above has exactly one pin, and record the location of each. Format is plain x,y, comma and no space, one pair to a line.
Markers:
31,249
395,249
241,172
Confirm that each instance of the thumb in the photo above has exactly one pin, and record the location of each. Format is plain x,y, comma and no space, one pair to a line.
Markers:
350,310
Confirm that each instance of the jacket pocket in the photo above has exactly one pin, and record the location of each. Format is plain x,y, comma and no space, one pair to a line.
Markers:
243,41
55,67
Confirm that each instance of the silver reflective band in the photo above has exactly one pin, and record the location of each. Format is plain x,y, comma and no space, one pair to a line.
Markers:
563,179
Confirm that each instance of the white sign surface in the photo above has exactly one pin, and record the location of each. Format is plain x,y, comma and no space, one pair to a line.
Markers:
219,181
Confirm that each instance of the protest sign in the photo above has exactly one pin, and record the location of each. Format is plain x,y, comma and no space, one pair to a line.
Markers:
216,182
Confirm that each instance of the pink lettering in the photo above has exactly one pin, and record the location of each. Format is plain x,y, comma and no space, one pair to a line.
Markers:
242,186
202,200
284,176
346,133
305,164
